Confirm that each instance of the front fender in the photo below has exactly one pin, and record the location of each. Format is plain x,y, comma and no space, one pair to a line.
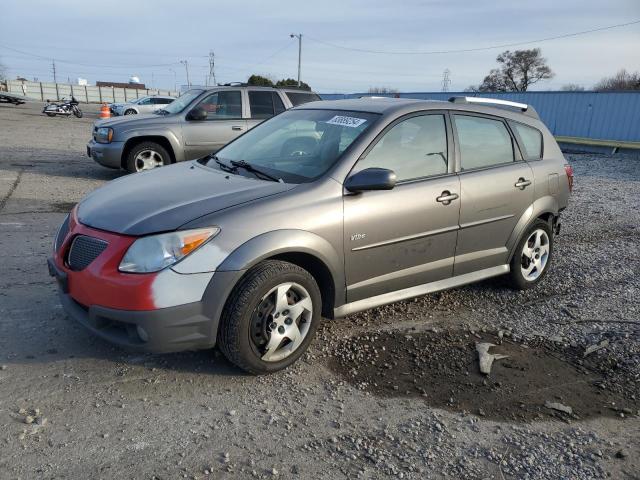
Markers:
544,205
174,138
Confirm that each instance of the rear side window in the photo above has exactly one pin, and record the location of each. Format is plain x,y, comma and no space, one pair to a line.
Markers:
531,140
483,142
298,98
265,104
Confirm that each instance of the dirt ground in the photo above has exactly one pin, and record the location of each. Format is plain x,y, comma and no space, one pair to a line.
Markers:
392,392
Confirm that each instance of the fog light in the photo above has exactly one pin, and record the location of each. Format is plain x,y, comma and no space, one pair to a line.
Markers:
144,336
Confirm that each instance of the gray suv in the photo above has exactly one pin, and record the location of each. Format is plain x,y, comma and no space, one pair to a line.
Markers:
199,122
324,210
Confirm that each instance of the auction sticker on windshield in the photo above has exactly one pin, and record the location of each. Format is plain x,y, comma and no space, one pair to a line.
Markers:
346,121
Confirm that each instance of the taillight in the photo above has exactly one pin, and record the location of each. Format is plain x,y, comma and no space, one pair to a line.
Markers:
568,169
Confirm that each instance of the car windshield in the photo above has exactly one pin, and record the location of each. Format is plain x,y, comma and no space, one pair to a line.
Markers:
182,101
298,145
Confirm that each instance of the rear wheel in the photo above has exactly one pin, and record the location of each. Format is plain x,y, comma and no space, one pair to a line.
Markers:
147,156
532,258
270,318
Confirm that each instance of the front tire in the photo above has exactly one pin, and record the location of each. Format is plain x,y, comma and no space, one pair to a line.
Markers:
270,318
130,111
147,156
77,112
533,255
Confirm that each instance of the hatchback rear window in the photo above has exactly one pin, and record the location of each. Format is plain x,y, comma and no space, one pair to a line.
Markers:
298,98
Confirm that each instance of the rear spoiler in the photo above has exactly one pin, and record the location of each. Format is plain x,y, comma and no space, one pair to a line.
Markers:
522,107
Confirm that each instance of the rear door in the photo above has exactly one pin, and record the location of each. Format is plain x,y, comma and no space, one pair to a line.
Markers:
399,238
496,188
224,122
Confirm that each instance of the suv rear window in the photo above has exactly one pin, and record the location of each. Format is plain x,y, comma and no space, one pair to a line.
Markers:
265,104
298,98
530,139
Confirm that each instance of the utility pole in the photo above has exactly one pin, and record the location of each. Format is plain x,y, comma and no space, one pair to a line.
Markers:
212,64
175,80
53,67
446,81
299,37
186,67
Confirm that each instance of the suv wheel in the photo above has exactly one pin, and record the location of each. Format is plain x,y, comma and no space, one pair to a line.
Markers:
270,318
531,261
130,111
146,156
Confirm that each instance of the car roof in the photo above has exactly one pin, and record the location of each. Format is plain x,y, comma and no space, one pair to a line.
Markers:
401,106
256,87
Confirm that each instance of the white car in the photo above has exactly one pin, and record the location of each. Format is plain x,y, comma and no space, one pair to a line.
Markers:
146,104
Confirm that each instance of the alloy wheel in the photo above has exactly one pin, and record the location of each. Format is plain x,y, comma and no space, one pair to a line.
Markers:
148,159
535,254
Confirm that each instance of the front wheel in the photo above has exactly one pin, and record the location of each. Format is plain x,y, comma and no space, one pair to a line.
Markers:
270,318
77,112
147,156
532,258
130,111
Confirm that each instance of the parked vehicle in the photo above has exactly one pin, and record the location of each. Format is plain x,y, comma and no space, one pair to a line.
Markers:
147,104
325,210
198,123
62,107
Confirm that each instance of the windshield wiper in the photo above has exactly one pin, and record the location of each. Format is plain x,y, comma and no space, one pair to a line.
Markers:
223,166
250,168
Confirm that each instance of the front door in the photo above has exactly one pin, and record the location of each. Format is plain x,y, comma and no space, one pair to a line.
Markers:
224,122
406,236
496,188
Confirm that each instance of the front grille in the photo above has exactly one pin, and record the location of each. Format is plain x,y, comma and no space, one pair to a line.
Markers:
62,233
84,250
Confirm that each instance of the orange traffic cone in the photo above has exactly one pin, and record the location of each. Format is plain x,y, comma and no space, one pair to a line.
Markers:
104,111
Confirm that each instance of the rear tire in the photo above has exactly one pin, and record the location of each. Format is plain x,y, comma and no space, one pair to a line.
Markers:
147,156
532,258
270,317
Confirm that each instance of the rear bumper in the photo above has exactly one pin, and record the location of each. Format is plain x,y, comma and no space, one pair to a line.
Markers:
106,154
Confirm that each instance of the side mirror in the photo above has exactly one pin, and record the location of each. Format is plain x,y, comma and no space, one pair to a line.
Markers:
198,114
371,179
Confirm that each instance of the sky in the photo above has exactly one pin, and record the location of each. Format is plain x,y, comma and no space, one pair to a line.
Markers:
115,39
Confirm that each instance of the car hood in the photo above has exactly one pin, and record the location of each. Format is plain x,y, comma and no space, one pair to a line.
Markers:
164,199
132,120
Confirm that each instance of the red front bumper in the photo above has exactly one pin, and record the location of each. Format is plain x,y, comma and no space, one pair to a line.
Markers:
100,283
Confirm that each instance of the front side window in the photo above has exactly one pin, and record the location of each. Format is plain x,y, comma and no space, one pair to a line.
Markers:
483,142
298,145
531,139
146,101
413,148
225,105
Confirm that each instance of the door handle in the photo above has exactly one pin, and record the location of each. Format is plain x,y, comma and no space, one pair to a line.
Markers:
447,197
522,183
236,127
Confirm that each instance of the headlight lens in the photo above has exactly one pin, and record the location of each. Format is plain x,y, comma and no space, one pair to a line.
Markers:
104,135
153,253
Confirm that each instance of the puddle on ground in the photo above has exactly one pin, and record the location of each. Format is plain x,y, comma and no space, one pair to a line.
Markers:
63,207
442,368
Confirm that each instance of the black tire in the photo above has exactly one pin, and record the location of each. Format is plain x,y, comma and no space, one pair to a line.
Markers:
132,164
130,111
77,112
48,114
516,277
234,332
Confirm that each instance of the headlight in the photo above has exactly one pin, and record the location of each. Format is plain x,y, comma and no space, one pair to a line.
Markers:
104,135
153,253
63,230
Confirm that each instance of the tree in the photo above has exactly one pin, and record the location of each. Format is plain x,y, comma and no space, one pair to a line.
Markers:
383,90
516,72
572,87
260,81
622,80
290,82
3,72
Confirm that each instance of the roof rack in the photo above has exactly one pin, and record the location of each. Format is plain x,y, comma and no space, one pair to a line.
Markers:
233,84
523,107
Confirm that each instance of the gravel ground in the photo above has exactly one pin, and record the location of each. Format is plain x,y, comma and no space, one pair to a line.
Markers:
72,406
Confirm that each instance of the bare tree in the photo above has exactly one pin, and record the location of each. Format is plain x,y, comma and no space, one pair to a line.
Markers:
383,90
516,72
622,80
572,87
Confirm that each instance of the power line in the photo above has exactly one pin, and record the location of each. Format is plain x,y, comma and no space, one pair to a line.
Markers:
476,49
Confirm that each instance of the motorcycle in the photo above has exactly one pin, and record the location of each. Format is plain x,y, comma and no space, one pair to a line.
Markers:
63,107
